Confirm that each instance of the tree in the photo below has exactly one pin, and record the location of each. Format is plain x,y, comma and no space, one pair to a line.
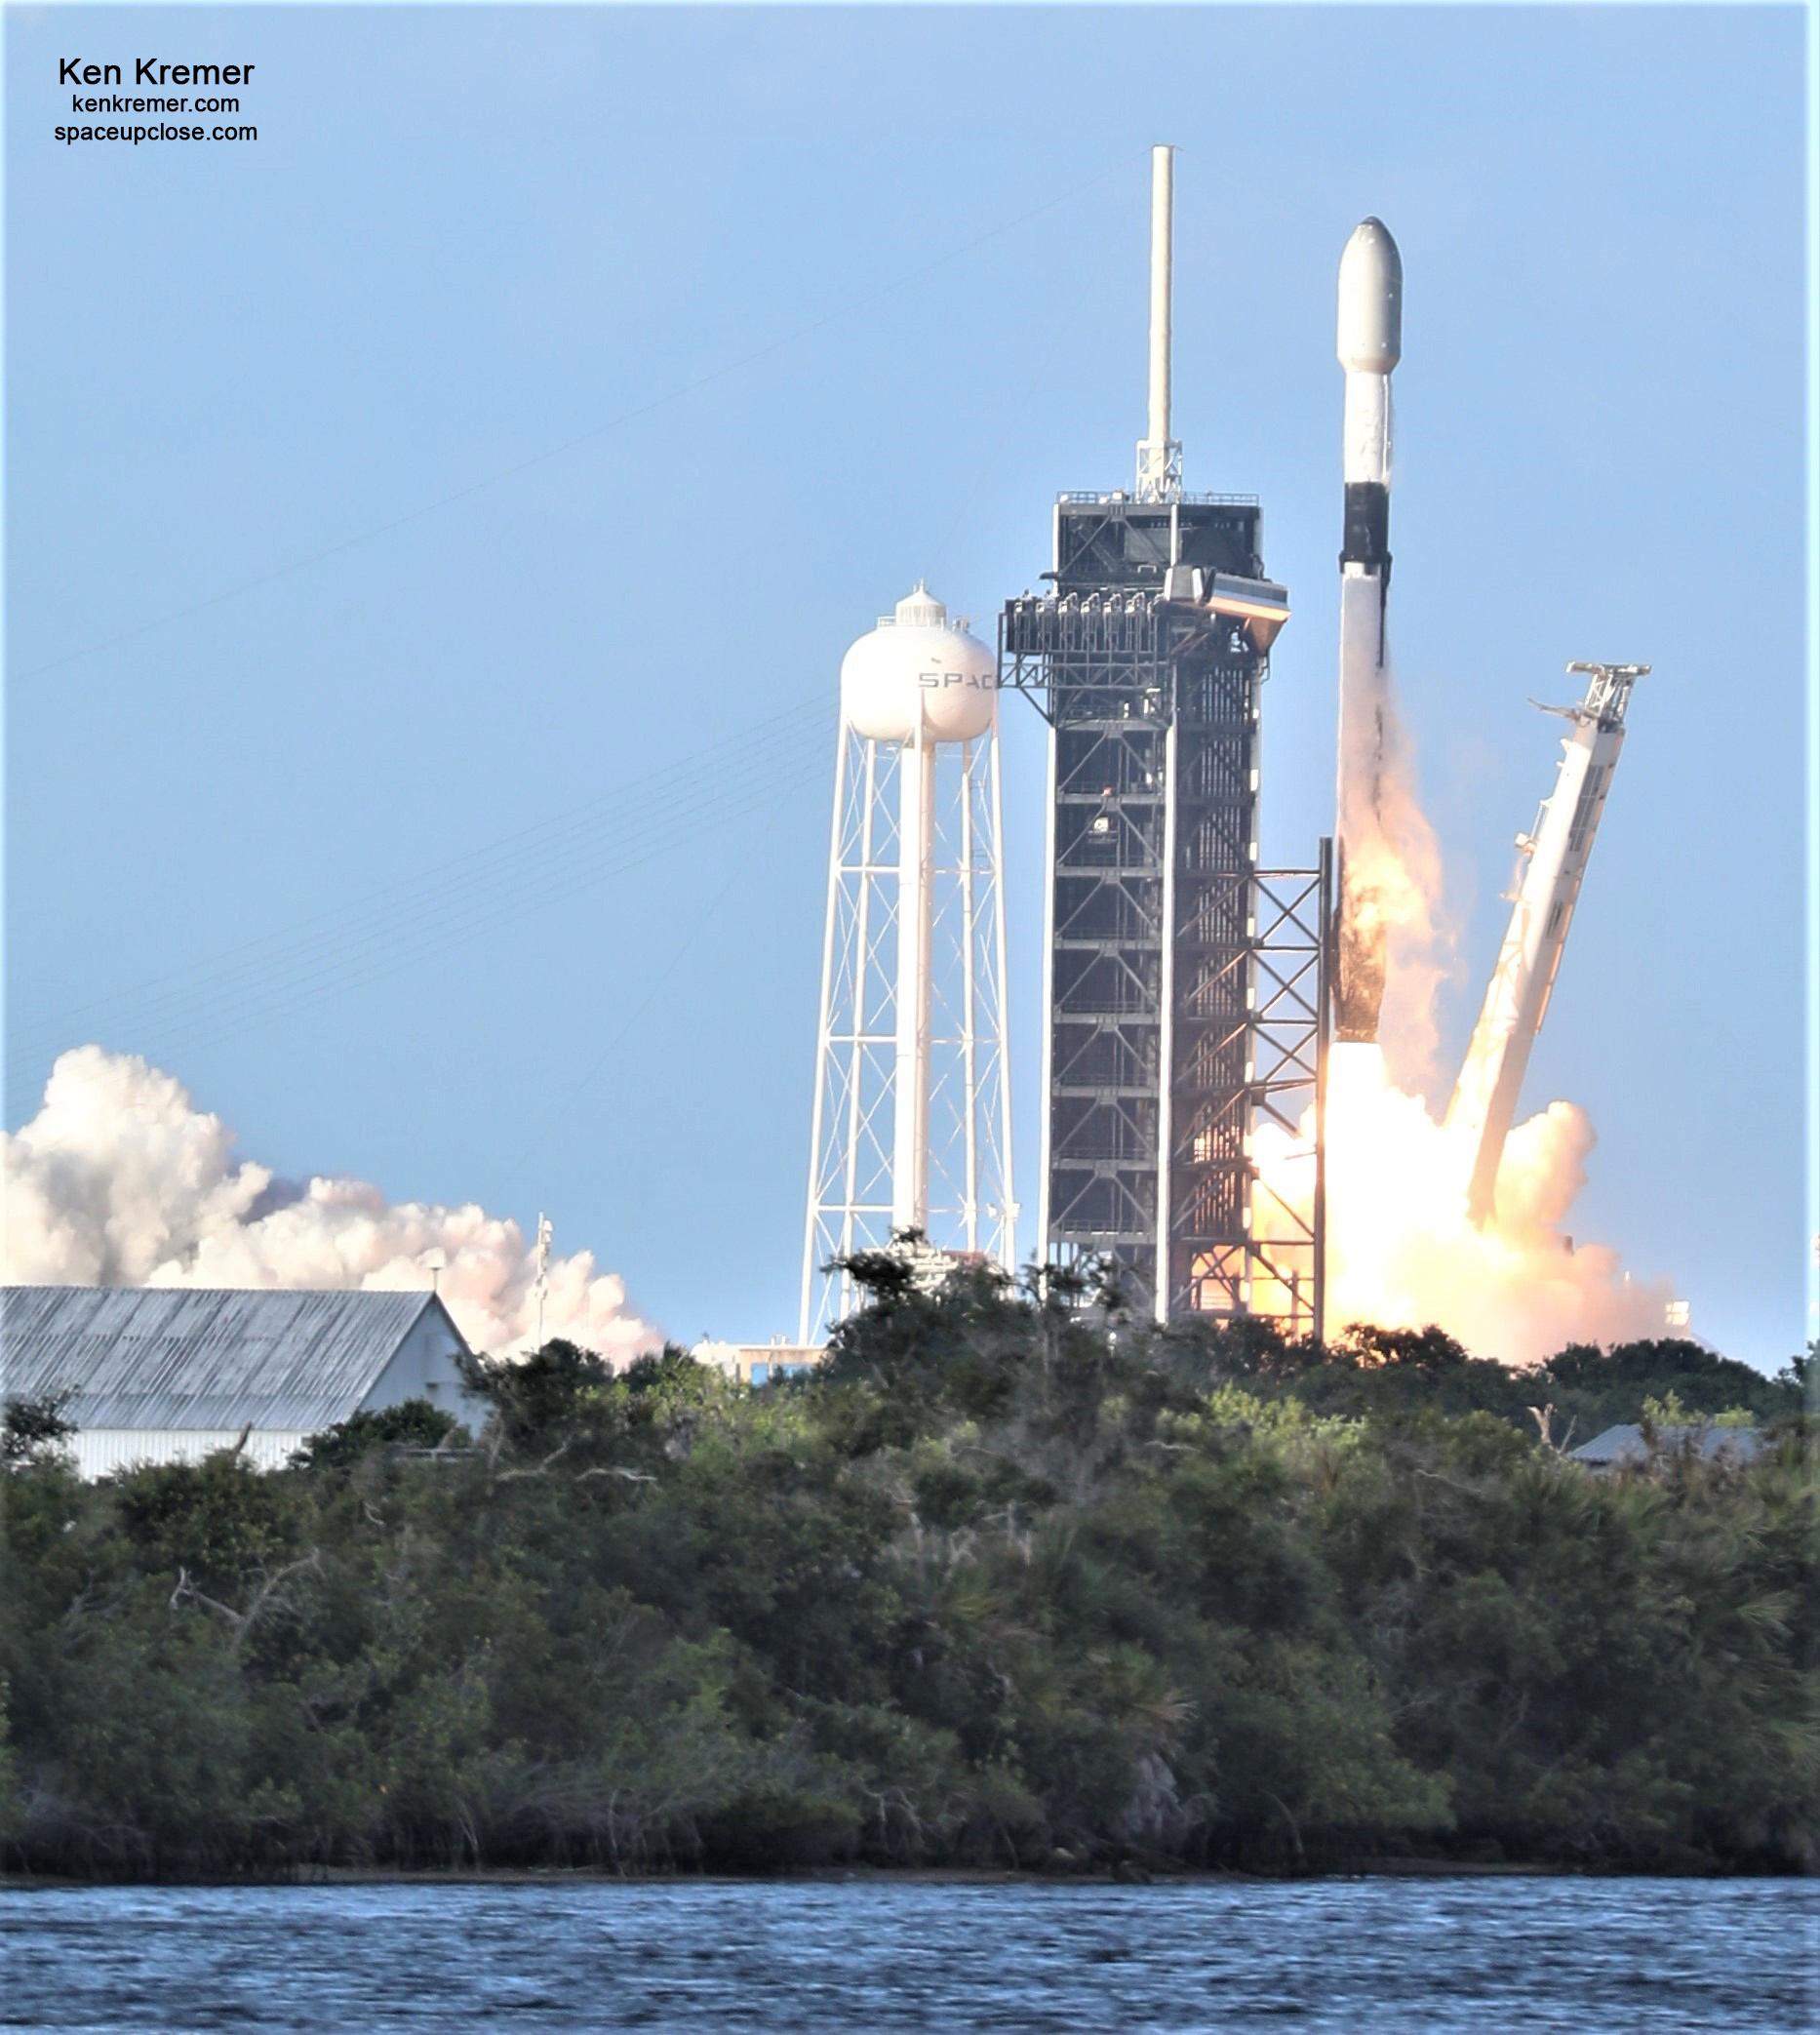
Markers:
414,1423
35,1430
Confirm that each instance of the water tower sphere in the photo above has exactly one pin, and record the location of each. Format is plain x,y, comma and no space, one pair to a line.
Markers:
919,669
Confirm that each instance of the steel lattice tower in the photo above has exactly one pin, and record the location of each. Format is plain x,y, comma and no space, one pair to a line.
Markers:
912,1112
1147,656
1149,667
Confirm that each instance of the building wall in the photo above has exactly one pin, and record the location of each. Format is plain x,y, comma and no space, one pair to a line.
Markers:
101,1451
759,1363
423,1367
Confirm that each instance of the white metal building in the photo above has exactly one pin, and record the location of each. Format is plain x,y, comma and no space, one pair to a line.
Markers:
170,1373
759,1363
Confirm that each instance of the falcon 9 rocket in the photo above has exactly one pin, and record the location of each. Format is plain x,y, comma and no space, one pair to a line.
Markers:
1370,343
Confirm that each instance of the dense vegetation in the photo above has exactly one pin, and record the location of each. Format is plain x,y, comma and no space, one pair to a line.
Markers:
1010,1581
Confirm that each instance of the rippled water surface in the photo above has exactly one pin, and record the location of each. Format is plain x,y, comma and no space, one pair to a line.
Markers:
1413,1955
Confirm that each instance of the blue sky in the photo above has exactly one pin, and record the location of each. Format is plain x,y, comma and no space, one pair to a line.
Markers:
516,434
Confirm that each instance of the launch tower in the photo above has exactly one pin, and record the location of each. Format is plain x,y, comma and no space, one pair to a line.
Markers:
1146,657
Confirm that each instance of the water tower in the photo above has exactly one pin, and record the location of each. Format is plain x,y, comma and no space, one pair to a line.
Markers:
912,1114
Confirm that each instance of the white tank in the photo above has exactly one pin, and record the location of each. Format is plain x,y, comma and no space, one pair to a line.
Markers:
1371,334
919,669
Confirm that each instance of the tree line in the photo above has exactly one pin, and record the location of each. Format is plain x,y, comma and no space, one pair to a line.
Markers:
1014,1578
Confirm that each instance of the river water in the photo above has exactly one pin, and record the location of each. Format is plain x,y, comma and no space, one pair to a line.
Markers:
1414,1955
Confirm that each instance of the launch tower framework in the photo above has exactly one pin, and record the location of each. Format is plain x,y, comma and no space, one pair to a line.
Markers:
1146,658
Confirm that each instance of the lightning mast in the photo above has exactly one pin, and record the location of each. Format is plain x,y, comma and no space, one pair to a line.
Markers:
1554,865
1159,455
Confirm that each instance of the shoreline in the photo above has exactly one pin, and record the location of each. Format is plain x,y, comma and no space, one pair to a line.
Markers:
854,1875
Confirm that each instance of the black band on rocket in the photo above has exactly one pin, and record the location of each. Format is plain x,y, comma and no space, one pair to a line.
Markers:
1366,540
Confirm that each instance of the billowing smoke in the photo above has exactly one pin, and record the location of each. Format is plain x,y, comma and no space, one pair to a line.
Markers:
1397,949
1402,1252
120,1181
1402,1249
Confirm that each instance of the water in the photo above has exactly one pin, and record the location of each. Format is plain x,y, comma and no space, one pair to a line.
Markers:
1410,1955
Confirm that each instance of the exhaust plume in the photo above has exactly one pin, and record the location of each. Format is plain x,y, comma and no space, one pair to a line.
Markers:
120,1181
1402,1250
1394,944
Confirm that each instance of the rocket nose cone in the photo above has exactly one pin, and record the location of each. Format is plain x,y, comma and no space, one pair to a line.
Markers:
1371,327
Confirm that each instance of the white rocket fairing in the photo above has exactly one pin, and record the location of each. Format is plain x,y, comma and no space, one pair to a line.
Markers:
1554,858
1370,344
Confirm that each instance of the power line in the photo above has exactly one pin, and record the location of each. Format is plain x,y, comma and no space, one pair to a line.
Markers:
849,308
290,989
452,886
567,1098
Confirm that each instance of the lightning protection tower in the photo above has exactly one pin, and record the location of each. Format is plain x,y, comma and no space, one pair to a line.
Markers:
1147,656
912,1116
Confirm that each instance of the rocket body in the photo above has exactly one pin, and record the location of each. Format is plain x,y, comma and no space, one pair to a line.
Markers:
1369,347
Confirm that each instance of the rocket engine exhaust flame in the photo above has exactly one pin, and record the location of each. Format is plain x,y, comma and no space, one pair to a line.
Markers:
1403,1251
120,1181
1408,1240
1391,958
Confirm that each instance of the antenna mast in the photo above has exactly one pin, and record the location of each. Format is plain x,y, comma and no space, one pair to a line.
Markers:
1159,455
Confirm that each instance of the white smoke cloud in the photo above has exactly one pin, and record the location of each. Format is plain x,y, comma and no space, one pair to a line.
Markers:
1401,1249
1393,876
120,1181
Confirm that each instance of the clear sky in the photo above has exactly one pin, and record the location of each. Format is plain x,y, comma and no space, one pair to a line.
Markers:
519,430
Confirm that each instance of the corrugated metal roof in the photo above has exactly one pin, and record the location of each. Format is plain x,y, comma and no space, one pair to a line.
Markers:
1625,1443
180,1357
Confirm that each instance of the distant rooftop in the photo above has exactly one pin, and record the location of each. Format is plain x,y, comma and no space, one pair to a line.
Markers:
185,1357
1625,1443
1130,500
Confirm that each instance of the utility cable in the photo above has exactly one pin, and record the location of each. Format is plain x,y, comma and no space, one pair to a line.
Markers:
409,901
848,309
567,1098
458,903
282,992
287,995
